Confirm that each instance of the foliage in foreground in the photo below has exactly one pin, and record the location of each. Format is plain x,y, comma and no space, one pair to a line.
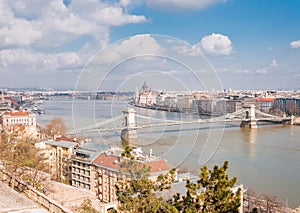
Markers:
136,192
86,207
211,193
20,157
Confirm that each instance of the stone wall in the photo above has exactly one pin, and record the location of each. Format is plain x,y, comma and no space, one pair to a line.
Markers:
36,196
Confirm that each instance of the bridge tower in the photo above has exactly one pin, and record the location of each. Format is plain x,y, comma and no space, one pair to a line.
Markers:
129,132
250,120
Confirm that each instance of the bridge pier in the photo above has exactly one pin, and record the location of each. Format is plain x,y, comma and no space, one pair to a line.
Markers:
250,120
129,133
293,118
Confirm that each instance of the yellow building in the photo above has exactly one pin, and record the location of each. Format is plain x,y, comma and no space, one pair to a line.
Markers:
60,154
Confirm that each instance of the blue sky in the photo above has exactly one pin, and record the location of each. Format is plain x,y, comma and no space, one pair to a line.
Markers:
252,44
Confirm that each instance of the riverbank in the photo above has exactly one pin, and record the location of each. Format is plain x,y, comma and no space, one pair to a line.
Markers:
297,121
262,158
156,107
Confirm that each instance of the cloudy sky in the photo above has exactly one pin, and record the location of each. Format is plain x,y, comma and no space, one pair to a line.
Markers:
251,44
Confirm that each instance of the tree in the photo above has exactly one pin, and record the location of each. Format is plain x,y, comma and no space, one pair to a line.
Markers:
136,192
86,207
211,193
20,157
57,126
261,202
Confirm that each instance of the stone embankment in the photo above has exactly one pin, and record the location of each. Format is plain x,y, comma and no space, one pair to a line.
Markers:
296,210
36,196
266,204
297,121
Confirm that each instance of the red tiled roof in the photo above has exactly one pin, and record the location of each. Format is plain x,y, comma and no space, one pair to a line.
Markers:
265,99
114,162
64,138
18,113
108,161
158,166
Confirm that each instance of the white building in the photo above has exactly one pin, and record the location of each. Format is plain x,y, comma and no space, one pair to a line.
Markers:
11,119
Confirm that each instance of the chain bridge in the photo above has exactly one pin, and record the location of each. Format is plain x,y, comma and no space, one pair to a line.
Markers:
128,122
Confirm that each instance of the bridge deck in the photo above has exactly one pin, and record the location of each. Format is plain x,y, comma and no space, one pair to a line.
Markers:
117,123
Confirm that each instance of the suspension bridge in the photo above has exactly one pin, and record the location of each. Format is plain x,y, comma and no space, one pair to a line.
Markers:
128,122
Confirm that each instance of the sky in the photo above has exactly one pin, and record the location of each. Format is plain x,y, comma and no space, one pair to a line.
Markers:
250,44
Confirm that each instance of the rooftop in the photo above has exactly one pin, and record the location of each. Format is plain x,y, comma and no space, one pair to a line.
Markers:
113,162
64,144
17,113
109,161
90,150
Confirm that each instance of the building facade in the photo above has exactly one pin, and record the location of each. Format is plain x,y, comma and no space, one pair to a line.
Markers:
10,119
265,104
101,173
60,154
290,106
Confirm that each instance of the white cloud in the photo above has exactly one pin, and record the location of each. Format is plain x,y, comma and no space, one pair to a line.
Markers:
182,4
262,71
216,44
187,50
268,69
38,35
297,75
26,57
125,3
295,44
274,63
16,31
245,71
135,45
51,24
115,16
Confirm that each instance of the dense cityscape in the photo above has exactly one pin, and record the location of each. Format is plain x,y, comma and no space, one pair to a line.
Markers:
83,164
153,106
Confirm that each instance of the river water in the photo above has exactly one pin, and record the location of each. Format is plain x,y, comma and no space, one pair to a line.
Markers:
266,159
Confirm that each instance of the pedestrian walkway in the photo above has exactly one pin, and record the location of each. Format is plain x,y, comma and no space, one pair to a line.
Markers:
14,202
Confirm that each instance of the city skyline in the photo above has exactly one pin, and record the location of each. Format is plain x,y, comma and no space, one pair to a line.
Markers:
250,44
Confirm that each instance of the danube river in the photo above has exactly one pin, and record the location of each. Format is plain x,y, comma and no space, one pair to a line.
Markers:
266,159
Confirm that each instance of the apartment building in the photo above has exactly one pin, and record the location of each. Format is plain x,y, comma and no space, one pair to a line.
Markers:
82,164
100,174
60,154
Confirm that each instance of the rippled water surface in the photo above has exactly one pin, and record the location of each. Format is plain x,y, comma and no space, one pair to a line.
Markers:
266,159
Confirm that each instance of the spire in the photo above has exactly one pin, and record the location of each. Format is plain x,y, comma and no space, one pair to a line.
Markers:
145,87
